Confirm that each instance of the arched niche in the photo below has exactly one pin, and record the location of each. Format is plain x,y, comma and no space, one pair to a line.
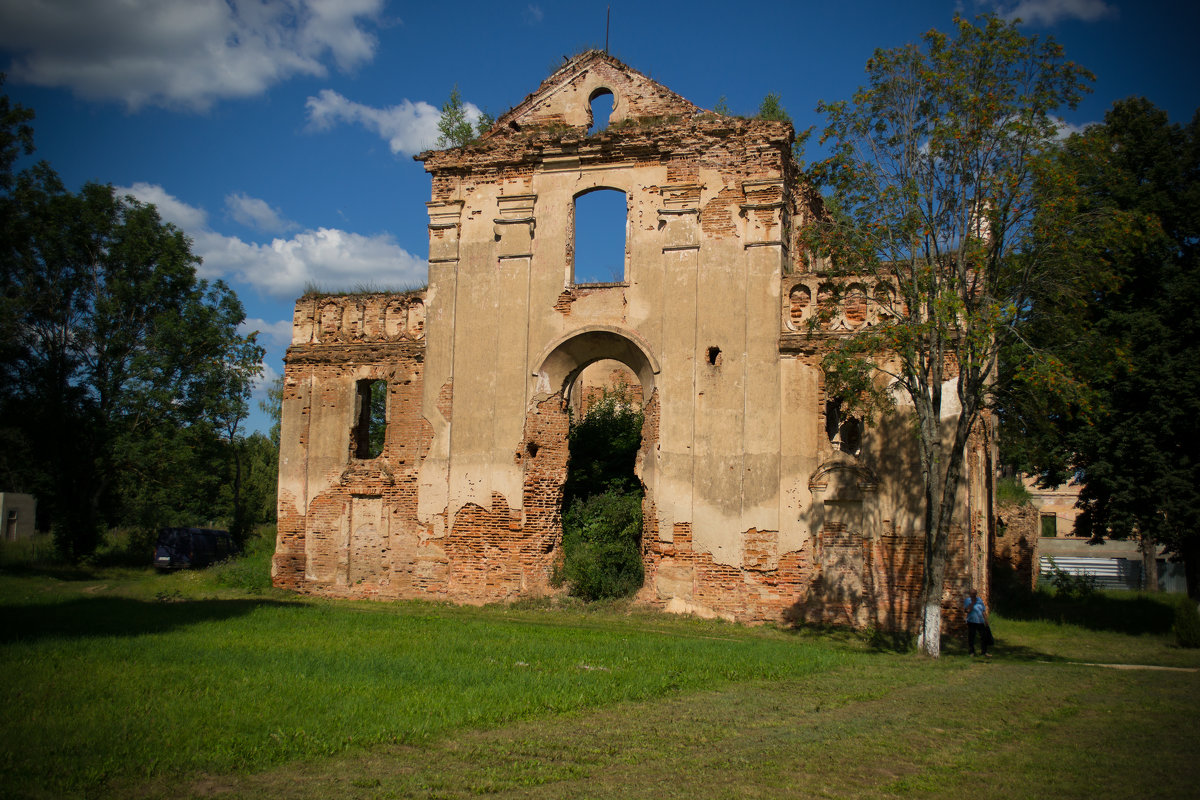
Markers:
330,320
799,299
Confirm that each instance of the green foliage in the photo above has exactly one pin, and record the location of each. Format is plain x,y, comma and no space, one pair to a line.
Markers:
378,425
601,545
1132,189
772,109
31,551
251,571
484,123
126,378
272,406
455,128
603,446
722,107
602,498
16,136
1071,587
933,172
1012,490
1187,623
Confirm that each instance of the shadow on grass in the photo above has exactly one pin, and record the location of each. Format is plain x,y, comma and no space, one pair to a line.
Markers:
60,572
870,640
84,618
1134,614
1001,650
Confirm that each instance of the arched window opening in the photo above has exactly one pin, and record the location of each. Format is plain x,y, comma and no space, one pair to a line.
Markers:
845,431
370,427
602,105
600,228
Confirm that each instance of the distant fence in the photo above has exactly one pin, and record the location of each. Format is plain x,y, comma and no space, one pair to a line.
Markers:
1114,573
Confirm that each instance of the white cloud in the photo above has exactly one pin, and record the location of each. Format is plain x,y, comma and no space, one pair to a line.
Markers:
533,14
181,53
1065,128
327,257
276,334
1048,12
187,218
408,128
255,213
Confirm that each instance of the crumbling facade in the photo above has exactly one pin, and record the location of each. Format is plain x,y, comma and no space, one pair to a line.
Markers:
761,503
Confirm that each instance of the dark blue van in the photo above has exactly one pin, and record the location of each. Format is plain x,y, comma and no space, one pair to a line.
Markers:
183,548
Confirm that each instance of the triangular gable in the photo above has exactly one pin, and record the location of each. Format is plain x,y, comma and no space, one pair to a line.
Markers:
565,97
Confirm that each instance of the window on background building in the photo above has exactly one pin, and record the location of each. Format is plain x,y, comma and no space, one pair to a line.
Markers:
1049,526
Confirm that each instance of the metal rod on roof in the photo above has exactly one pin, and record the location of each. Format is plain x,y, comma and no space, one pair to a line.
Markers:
607,15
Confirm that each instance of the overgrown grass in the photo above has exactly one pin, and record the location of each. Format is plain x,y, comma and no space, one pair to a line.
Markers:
252,571
1012,490
33,551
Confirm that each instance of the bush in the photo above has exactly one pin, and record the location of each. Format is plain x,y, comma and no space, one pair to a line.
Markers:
602,501
601,545
251,571
124,547
1187,623
1072,587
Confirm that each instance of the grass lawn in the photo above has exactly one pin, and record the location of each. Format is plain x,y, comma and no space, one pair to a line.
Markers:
124,683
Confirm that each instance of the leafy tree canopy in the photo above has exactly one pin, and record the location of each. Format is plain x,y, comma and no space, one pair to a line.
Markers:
126,376
1134,190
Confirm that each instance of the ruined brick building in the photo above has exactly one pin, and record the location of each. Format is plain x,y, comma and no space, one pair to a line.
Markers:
761,503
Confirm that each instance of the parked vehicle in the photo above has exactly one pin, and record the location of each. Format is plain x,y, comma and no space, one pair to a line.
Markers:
184,548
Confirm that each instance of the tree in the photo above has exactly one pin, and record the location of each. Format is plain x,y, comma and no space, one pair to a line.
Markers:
127,375
455,128
771,108
932,178
1136,179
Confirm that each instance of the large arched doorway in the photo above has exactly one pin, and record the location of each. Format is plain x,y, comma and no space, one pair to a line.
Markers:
590,383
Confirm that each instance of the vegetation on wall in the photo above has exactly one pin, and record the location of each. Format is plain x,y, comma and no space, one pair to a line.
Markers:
455,128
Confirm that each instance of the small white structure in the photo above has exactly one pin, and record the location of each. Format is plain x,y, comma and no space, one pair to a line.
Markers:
17,515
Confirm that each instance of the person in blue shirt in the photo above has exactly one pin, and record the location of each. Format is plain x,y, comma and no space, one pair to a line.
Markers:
976,623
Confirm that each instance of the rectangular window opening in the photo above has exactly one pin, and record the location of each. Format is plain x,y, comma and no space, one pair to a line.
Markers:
370,414
600,224
1049,526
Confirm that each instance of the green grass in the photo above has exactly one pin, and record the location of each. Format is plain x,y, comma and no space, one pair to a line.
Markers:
124,676
122,682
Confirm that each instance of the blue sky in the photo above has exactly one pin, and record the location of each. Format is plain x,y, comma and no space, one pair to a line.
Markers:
279,134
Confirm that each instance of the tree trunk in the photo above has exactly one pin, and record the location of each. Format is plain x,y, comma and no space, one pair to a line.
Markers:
1191,566
941,489
929,641
1149,566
